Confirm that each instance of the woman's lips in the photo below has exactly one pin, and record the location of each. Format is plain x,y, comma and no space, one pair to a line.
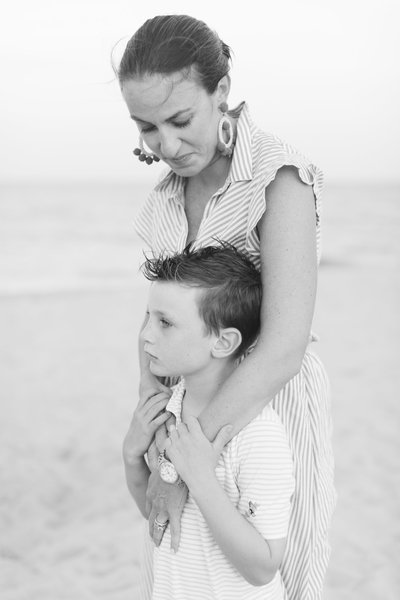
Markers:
181,160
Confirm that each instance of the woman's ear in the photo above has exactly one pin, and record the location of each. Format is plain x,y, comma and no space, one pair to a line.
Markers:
227,343
223,89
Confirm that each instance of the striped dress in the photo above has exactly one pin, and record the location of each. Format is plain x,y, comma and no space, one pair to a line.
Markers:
232,215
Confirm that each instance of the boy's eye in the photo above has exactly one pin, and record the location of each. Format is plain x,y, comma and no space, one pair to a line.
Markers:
164,323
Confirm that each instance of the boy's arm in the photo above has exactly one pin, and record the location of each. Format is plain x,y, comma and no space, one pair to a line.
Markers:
256,558
255,546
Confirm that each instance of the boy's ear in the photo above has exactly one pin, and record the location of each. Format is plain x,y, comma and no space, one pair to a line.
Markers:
227,343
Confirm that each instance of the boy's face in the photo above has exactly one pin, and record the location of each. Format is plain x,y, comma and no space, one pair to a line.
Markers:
175,336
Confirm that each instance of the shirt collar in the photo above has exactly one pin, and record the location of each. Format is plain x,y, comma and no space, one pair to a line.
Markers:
173,185
174,405
241,167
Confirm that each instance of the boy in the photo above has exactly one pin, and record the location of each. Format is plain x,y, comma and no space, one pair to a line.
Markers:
203,314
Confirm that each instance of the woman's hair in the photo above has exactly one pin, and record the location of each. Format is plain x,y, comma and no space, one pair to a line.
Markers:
230,287
170,43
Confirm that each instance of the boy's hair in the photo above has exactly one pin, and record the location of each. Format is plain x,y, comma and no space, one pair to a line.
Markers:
230,283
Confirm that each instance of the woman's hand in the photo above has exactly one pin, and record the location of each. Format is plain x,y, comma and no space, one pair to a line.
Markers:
165,502
149,415
192,454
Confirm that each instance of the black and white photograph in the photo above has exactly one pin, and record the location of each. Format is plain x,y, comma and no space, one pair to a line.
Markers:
199,300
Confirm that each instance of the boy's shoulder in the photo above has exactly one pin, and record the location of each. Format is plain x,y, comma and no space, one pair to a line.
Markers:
262,446
268,417
265,429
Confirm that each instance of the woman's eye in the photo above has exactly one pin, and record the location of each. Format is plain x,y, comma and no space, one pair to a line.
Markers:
180,125
183,124
165,323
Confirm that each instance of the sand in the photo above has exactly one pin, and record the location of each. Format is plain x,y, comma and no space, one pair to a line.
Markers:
70,307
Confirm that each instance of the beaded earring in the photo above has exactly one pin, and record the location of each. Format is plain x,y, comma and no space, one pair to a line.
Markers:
224,125
143,155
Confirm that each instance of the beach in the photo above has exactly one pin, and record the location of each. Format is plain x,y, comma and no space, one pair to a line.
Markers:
71,304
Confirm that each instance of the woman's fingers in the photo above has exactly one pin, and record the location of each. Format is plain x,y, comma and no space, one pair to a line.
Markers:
175,529
165,501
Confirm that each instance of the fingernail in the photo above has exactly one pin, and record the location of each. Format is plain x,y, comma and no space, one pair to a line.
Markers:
173,551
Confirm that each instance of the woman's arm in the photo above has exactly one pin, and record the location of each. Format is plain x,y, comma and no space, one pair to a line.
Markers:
289,275
137,476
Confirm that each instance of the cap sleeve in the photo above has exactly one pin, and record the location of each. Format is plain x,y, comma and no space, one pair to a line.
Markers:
309,174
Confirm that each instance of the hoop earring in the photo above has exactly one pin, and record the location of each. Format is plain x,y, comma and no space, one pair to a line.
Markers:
224,125
143,155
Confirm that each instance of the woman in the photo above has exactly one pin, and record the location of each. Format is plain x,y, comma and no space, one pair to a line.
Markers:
230,181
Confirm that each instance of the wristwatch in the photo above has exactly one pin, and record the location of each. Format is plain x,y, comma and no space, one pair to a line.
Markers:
167,471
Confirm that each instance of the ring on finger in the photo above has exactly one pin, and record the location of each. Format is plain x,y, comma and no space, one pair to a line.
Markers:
160,526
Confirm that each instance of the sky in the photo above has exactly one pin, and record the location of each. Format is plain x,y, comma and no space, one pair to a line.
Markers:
323,75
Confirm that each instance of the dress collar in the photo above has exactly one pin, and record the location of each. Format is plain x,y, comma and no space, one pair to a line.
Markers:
241,167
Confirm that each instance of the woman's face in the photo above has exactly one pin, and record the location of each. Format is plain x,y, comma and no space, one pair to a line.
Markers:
177,118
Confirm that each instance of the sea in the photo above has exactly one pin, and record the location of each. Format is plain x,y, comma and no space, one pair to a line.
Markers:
56,237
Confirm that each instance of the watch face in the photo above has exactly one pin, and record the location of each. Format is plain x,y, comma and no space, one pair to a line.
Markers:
168,472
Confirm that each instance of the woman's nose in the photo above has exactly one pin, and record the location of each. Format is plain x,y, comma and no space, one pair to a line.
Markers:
169,144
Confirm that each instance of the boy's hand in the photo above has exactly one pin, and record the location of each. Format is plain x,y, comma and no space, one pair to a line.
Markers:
193,455
149,415
150,385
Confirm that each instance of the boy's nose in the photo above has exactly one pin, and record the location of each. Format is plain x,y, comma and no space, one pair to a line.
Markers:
146,334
